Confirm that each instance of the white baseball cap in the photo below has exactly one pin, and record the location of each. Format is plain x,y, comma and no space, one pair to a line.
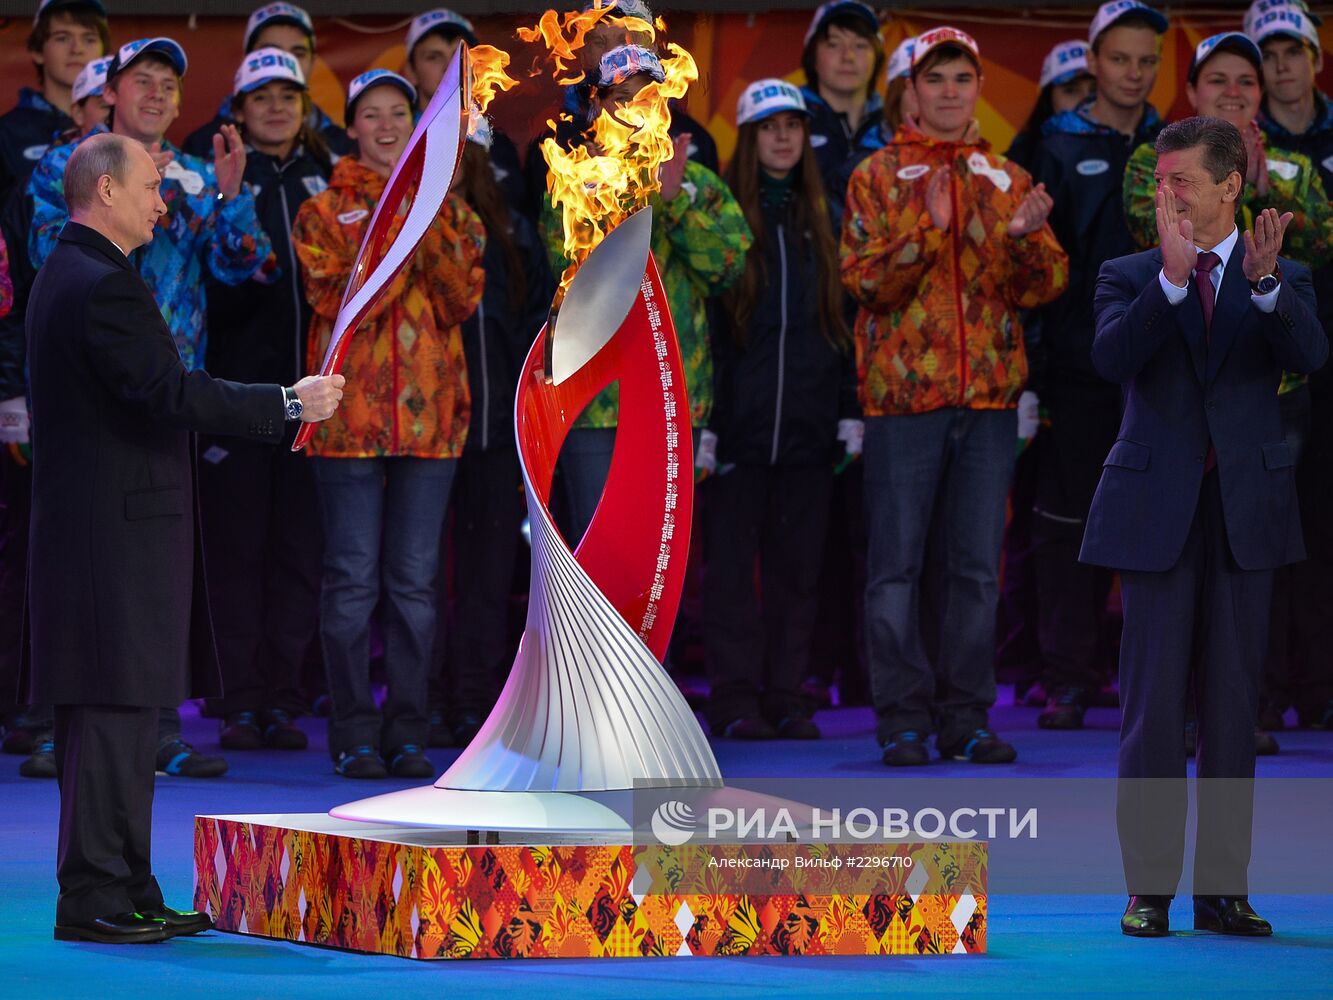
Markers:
277,13
1225,41
928,41
765,98
1292,22
131,51
442,18
1259,8
374,78
265,66
1064,62
91,80
900,63
49,5
1108,14
625,61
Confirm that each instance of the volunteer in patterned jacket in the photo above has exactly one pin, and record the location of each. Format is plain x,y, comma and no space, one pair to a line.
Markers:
384,468
943,242
210,226
281,26
65,35
842,58
257,501
1064,84
1296,116
473,655
786,394
1081,160
699,241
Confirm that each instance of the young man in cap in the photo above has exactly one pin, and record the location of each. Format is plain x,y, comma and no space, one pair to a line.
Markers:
1295,115
943,242
432,40
619,26
65,35
1081,159
209,225
281,26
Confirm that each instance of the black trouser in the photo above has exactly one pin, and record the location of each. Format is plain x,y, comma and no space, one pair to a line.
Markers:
837,645
1311,681
1208,617
758,648
263,546
104,763
1071,597
1285,660
473,655
1017,649
15,514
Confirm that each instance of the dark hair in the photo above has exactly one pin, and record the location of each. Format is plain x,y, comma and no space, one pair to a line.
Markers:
1131,20
810,214
893,104
446,31
942,54
477,186
1044,109
855,24
309,138
84,17
1223,147
98,156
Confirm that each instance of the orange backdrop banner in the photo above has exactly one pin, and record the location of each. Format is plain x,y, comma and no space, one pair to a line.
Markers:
732,49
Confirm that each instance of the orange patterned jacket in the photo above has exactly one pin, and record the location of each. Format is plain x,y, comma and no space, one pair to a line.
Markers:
407,389
938,321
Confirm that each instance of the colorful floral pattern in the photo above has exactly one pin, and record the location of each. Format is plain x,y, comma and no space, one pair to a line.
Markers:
407,388
550,902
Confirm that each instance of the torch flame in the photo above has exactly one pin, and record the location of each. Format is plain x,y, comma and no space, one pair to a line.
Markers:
487,65
564,34
597,186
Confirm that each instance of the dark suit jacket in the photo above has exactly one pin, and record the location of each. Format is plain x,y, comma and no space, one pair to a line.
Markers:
118,614
1180,390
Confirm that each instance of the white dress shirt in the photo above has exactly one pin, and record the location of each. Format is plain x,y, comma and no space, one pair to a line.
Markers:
1176,295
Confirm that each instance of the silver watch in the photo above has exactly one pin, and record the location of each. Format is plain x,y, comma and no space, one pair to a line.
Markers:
292,402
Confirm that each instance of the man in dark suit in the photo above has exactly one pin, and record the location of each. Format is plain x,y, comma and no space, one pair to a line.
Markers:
119,615
1196,507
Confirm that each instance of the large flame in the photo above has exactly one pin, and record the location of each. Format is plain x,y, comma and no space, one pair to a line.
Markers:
487,66
596,186
564,34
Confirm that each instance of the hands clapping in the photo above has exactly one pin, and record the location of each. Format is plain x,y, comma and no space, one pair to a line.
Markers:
1032,212
1263,243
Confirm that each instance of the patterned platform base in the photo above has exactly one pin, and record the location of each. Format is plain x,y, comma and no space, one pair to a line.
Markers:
425,894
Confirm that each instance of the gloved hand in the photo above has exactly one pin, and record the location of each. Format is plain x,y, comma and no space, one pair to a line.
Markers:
705,458
1029,416
14,421
852,433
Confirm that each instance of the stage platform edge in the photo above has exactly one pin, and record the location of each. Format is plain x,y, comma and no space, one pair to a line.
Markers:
430,894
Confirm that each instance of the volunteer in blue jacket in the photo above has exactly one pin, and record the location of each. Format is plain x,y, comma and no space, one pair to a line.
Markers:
842,58
1065,83
1296,115
258,506
279,26
786,394
473,655
1081,160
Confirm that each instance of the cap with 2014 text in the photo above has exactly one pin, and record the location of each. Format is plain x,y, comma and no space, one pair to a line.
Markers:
267,65
277,13
131,51
1064,62
765,98
1111,13
439,19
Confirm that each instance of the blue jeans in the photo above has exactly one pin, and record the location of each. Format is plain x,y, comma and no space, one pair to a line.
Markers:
382,522
961,460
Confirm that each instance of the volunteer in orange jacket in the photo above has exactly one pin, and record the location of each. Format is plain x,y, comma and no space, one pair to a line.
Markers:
385,468
943,243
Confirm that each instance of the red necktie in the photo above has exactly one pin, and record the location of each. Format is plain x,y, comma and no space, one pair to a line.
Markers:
1203,284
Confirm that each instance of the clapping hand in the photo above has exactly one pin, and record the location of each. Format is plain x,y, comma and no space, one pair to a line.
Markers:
1175,235
161,158
1032,212
939,198
1263,242
229,161
1256,156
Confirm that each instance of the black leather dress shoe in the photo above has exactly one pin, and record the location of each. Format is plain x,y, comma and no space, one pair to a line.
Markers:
1146,916
1229,915
121,928
181,922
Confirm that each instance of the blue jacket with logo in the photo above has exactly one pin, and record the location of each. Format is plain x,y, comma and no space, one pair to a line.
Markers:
1082,164
833,140
199,231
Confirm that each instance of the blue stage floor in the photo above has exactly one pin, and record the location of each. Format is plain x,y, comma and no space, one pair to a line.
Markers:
1038,945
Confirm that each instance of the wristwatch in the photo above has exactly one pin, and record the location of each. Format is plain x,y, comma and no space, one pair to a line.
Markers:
1268,282
292,402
